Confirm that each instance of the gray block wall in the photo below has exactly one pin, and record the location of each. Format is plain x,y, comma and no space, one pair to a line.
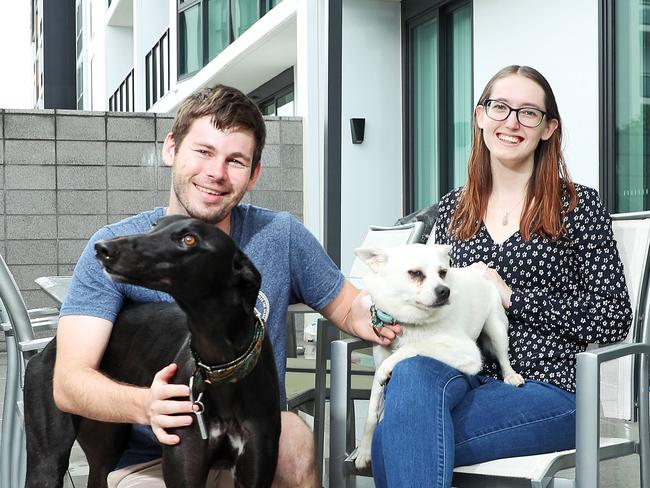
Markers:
64,174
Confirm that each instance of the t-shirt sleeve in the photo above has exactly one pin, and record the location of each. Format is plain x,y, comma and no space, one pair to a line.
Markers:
315,279
92,292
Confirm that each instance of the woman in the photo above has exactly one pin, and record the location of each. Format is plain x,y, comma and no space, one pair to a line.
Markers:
547,245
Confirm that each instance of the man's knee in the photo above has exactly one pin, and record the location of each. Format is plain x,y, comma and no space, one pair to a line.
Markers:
296,459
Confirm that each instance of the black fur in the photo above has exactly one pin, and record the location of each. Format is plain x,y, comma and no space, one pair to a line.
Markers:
215,286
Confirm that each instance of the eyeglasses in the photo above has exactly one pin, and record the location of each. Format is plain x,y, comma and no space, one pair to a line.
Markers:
527,116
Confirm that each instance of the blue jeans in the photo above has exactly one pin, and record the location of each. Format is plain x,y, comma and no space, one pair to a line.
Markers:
436,418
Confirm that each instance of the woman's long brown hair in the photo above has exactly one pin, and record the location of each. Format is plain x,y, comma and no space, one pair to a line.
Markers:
543,213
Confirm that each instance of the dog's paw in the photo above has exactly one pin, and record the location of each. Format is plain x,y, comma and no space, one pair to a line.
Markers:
382,375
514,379
363,457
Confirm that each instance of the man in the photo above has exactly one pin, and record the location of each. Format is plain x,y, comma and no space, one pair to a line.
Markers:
214,150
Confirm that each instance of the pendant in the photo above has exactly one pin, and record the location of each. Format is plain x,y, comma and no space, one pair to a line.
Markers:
504,220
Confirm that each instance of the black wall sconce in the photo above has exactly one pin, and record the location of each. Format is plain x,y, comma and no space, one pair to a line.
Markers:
358,128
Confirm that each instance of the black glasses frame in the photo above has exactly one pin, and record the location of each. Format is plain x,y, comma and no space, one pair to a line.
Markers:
515,110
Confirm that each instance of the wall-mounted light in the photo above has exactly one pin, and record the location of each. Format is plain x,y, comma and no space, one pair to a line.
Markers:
357,128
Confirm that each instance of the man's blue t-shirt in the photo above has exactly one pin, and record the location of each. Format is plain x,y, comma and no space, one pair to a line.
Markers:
293,265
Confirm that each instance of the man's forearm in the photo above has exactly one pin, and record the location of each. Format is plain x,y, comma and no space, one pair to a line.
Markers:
87,392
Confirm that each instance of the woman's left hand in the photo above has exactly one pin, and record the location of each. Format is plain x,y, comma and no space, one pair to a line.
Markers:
491,275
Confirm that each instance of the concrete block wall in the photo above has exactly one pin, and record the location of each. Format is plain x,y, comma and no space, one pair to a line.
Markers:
64,174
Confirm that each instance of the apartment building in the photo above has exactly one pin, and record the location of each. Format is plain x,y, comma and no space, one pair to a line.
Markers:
53,42
411,69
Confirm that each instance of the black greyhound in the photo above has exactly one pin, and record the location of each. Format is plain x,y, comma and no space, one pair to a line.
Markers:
229,361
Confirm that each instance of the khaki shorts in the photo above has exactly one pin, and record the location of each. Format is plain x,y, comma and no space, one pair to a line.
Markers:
149,475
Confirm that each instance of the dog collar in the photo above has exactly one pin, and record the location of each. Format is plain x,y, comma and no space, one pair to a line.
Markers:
379,318
234,370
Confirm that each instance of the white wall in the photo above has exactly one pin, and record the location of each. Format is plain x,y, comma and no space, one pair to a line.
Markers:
559,38
119,57
371,174
17,83
150,20
309,87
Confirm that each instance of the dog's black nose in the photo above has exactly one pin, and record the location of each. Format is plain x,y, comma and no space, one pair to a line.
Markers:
105,252
442,292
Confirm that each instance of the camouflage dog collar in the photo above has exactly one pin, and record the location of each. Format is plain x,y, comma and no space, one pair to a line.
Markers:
234,370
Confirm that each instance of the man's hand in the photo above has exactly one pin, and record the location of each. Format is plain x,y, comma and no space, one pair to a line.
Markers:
491,275
361,325
162,413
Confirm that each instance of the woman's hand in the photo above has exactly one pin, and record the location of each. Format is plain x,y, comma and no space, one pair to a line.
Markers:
491,275
361,325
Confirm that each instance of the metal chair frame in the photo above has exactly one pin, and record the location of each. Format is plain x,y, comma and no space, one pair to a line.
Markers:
590,449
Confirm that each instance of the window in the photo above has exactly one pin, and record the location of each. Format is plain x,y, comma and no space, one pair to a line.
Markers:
439,99
157,71
269,4
275,97
80,86
122,99
191,41
207,27
244,14
79,30
625,106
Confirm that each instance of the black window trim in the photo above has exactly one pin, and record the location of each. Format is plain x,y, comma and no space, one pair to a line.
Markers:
183,5
607,103
414,14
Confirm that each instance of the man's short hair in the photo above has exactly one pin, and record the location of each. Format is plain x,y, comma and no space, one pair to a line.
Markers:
228,108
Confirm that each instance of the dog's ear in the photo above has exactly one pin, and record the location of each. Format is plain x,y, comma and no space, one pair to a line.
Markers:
443,254
373,257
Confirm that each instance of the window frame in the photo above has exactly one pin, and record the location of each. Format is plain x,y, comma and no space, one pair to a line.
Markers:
414,14
607,103
273,89
183,5
608,142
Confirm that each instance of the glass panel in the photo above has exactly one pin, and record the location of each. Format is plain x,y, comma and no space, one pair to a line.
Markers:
268,108
217,27
425,114
285,105
244,14
189,28
632,107
268,5
461,132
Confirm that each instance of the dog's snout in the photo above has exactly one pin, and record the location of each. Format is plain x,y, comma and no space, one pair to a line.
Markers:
105,252
442,292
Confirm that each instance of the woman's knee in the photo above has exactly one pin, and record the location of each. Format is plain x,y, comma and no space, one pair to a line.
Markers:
417,381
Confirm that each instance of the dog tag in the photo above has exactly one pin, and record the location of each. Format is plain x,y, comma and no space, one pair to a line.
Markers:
200,420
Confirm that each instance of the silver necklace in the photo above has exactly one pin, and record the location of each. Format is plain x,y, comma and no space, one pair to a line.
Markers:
504,219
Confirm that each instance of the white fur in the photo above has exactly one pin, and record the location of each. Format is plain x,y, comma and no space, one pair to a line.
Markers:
407,283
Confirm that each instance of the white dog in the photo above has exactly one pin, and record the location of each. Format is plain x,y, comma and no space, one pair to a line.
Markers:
442,311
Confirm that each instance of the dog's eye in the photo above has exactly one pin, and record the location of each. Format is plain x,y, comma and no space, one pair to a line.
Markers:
190,240
442,273
416,274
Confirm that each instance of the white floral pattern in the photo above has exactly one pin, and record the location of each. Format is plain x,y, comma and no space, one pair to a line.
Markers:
566,293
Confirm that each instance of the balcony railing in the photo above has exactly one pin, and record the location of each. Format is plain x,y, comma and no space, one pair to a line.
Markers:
157,71
123,98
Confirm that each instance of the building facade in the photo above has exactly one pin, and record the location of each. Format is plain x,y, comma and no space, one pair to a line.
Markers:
53,42
412,69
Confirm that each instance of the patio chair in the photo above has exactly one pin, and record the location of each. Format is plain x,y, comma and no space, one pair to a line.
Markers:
307,380
632,233
21,328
